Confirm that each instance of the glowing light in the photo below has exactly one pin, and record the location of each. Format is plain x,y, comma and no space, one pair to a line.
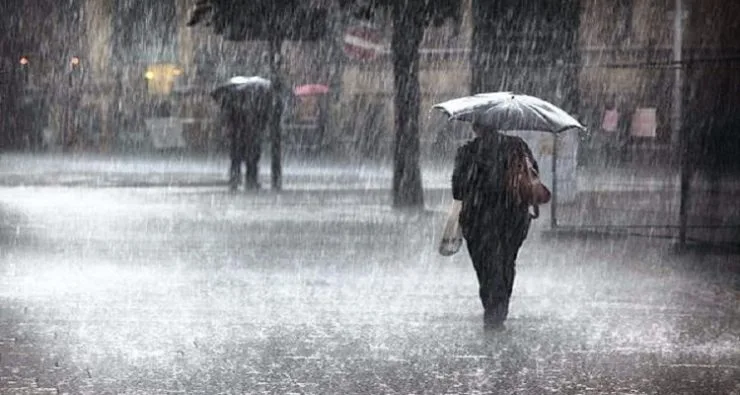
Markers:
161,76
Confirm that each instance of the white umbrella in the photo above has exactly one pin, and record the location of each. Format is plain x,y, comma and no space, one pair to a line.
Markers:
247,81
506,111
240,83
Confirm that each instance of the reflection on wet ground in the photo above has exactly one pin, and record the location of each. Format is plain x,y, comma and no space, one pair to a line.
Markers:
163,290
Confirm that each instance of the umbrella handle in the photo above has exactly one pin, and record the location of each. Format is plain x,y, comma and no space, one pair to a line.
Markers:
535,212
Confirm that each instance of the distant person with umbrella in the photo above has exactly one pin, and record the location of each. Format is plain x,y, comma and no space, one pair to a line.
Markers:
247,105
312,110
495,183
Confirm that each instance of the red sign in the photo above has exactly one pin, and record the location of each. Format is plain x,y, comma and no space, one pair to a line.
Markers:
644,122
610,122
362,42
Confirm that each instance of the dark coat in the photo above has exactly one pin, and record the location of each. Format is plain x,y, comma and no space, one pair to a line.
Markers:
478,181
249,114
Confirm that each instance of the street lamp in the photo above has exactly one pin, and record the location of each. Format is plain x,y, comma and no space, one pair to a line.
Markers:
25,73
679,138
75,72
678,17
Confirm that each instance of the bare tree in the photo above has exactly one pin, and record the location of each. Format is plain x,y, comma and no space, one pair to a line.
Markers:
410,18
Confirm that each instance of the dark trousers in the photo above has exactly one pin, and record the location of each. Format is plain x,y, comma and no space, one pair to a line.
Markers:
494,253
245,150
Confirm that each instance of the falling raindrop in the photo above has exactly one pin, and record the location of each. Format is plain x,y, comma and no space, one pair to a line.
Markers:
123,251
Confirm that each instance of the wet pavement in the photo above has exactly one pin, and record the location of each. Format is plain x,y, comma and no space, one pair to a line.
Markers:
190,289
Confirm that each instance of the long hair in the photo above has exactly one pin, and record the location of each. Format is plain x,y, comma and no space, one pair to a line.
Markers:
517,176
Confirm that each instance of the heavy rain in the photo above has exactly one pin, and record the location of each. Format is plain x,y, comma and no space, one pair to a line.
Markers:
254,197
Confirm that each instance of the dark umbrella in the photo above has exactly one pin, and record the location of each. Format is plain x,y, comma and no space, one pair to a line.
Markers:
240,87
506,111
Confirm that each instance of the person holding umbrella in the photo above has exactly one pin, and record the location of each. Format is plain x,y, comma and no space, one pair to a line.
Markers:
493,223
495,182
246,103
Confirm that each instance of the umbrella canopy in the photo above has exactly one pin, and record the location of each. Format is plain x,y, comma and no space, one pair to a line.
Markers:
310,90
240,85
507,111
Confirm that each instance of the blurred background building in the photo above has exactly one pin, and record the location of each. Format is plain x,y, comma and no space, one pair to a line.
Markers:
87,74
630,52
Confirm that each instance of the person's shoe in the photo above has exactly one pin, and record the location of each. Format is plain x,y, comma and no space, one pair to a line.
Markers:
494,326
494,316
493,323
252,186
234,181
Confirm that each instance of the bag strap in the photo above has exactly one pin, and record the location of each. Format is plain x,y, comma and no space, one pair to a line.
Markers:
532,172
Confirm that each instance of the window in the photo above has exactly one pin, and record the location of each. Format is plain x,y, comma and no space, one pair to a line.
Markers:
144,31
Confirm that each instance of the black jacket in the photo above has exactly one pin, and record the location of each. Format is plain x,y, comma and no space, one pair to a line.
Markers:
478,181
248,116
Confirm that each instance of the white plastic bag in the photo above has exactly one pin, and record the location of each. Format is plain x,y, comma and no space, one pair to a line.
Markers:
452,237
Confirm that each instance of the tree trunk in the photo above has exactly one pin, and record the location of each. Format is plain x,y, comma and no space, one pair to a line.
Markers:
276,168
408,30
338,20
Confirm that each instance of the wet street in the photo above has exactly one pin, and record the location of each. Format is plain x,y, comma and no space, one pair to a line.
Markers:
193,290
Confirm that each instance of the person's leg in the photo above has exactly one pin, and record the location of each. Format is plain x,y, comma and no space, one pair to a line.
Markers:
494,279
237,157
498,283
479,257
501,286
502,276
253,153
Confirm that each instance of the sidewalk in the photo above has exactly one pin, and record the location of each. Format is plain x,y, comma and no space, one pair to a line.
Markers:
643,178
94,170
638,198
156,170
647,201
194,290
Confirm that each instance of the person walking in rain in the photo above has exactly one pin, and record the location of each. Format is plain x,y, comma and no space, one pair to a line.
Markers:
493,221
247,118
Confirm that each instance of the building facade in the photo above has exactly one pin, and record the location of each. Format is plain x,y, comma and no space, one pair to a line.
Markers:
106,65
646,75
